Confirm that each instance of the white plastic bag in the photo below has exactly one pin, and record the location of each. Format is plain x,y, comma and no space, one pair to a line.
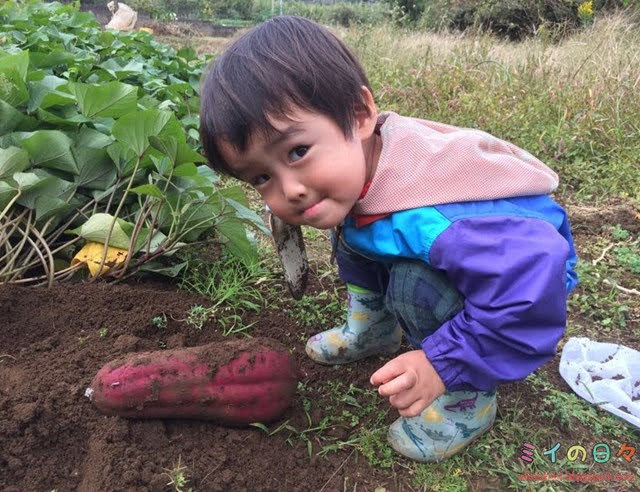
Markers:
606,374
124,17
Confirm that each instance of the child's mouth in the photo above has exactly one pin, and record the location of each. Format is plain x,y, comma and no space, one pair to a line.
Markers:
312,210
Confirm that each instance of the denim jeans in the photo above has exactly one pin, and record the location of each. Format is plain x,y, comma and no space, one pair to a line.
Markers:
420,297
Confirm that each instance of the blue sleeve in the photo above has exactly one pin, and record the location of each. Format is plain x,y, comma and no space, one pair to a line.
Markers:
512,272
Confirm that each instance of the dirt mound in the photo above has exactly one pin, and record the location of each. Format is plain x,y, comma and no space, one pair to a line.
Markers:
55,340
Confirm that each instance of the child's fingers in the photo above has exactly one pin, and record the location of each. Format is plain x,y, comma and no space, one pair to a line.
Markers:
387,372
414,409
403,382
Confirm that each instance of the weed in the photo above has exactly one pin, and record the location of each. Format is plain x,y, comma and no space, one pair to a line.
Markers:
160,321
321,310
232,286
565,407
596,300
619,233
103,332
178,476
198,316
628,259
374,447
446,477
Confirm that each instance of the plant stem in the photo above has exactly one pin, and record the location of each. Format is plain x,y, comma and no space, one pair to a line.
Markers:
115,216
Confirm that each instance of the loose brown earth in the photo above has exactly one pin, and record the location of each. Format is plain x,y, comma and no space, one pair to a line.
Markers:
52,437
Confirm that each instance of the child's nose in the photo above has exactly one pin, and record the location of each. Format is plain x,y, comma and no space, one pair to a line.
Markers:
293,189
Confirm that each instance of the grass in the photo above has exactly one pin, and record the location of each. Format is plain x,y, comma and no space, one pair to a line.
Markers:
232,286
573,104
320,310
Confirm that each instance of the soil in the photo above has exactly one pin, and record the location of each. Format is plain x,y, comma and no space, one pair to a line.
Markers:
54,438
55,340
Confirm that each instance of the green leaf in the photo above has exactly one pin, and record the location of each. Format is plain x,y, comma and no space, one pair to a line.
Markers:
238,243
200,216
235,193
13,89
66,117
18,61
209,174
118,72
46,92
249,216
51,59
48,206
185,170
96,170
13,160
168,146
7,192
187,154
10,118
148,189
163,165
97,227
51,148
134,129
188,53
141,241
157,267
112,99
39,183
88,137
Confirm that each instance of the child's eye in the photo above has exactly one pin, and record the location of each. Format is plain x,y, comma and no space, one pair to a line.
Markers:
298,152
260,180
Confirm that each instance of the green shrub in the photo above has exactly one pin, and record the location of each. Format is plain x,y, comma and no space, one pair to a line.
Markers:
343,14
233,9
407,11
513,19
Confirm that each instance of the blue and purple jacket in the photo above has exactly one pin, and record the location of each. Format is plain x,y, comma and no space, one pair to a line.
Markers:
512,259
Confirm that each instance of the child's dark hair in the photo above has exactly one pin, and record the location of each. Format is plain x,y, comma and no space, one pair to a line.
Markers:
282,63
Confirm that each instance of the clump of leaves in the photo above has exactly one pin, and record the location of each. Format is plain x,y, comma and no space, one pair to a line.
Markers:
178,476
160,321
374,447
98,143
198,316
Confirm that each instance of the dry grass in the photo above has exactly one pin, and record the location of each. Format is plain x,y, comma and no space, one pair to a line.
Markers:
610,48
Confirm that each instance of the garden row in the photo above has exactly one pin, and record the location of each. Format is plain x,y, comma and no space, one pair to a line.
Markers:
99,143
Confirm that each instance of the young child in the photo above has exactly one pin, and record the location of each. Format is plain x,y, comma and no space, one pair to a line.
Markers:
444,234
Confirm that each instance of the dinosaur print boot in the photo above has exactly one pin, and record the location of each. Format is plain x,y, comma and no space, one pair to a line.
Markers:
370,329
445,427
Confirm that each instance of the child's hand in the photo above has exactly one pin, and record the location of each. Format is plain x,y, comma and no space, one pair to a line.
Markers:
410,382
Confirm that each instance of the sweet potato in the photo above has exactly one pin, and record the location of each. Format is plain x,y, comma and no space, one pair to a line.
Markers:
232,382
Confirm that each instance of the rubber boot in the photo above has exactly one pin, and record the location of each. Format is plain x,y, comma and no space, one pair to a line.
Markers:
445,427
370,329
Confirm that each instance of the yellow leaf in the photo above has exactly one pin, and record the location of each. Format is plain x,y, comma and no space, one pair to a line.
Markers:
146,29
91,255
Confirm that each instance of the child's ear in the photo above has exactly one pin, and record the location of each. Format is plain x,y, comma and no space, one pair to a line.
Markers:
366,115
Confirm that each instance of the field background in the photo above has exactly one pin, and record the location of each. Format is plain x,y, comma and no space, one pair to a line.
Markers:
573,102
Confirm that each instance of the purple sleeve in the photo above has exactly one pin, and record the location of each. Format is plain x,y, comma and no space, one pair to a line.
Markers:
512,274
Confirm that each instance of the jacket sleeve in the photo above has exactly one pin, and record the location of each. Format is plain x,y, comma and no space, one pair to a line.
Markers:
512,274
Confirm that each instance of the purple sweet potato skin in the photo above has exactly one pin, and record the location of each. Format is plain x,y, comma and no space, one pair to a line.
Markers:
235,382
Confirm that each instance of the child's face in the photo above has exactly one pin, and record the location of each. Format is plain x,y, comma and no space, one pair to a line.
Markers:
309,173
